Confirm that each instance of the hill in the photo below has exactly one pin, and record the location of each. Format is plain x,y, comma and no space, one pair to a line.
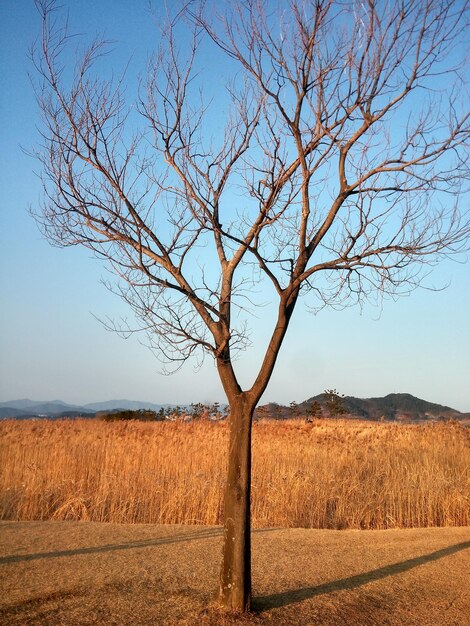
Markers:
392,407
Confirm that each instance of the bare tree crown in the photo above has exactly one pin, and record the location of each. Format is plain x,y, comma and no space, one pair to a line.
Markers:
339,171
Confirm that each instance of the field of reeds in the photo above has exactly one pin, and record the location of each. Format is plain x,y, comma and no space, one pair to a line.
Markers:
328,474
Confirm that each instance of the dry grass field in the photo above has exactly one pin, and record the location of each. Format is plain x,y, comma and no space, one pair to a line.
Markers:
332,474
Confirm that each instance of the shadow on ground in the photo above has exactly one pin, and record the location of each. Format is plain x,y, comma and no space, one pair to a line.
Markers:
145,543
277,600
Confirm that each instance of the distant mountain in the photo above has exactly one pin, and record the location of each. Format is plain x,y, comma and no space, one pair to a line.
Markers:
6,411
48,406
393,407
131,405
25,404
34,408
23,409
54,407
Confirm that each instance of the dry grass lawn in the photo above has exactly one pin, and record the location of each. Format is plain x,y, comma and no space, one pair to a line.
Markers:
74,574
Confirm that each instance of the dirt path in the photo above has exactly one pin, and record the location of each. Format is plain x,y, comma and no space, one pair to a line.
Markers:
73,573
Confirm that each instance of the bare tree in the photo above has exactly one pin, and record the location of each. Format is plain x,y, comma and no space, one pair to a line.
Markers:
338,174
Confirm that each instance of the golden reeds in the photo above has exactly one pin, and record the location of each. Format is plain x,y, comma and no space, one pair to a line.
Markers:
329,474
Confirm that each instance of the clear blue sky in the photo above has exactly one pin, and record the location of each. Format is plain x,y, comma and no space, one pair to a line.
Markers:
51,345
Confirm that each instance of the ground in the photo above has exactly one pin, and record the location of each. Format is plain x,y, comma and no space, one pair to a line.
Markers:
82,573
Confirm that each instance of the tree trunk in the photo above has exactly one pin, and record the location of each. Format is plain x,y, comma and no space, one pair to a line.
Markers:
235,575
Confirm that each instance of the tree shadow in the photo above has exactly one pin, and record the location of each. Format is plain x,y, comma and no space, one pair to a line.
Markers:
277,600
145,543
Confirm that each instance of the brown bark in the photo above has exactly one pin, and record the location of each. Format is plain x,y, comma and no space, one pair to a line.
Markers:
235,575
